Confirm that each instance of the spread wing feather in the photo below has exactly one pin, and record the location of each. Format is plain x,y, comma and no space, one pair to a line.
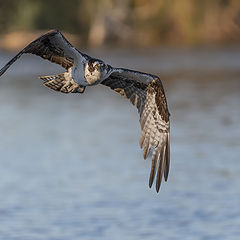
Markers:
52,46
147,94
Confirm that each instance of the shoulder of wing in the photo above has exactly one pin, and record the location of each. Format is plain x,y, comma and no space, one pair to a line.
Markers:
124,73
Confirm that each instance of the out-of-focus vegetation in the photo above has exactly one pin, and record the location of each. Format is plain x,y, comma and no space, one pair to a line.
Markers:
128,22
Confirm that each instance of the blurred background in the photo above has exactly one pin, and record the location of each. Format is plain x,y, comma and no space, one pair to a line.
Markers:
123,22
71,166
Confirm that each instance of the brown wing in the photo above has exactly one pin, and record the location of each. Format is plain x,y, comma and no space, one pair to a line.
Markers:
155,131
129,88
149,98
52,46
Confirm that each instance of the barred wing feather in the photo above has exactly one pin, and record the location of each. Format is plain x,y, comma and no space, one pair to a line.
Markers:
52,46
147,94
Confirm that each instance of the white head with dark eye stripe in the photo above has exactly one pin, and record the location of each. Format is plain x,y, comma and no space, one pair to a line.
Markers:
96,71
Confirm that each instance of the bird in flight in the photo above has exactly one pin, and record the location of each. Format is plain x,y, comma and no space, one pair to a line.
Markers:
145,91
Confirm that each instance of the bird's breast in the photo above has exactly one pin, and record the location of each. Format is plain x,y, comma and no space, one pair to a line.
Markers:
92,78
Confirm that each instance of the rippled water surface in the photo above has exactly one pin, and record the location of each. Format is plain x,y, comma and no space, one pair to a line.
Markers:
71,166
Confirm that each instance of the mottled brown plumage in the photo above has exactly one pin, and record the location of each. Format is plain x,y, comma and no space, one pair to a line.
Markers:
46,47
156,87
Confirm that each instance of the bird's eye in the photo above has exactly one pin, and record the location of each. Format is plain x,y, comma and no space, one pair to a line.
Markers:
103,66
97,66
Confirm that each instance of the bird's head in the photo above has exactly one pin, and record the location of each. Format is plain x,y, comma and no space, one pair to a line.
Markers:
96,71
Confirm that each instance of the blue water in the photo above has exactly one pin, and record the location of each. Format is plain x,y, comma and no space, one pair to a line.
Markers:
71,166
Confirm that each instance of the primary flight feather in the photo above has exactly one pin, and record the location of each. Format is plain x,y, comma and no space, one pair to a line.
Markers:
145,91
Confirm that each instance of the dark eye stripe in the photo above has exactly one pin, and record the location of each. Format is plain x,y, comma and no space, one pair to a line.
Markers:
90,67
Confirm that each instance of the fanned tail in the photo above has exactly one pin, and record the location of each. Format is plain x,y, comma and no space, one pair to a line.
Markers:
55,82
62,83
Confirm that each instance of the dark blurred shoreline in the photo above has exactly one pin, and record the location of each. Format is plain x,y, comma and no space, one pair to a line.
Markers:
14,41
128,22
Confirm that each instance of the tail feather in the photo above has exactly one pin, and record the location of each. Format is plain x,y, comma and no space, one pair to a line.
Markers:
62,83
55,82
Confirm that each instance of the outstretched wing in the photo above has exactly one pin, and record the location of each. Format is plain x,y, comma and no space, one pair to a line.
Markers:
52,46
146,92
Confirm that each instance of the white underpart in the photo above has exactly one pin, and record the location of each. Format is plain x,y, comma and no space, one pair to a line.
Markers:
94,76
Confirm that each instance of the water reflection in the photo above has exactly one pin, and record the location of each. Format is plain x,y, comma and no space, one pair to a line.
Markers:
71,166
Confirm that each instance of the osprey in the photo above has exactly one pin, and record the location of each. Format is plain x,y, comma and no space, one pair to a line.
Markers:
145,91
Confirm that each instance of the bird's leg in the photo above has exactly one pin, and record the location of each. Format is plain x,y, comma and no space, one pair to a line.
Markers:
81,89
73,87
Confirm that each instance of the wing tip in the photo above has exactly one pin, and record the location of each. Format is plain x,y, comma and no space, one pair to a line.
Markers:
165,176
167,159
151,177
163,162
7,65
3,70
